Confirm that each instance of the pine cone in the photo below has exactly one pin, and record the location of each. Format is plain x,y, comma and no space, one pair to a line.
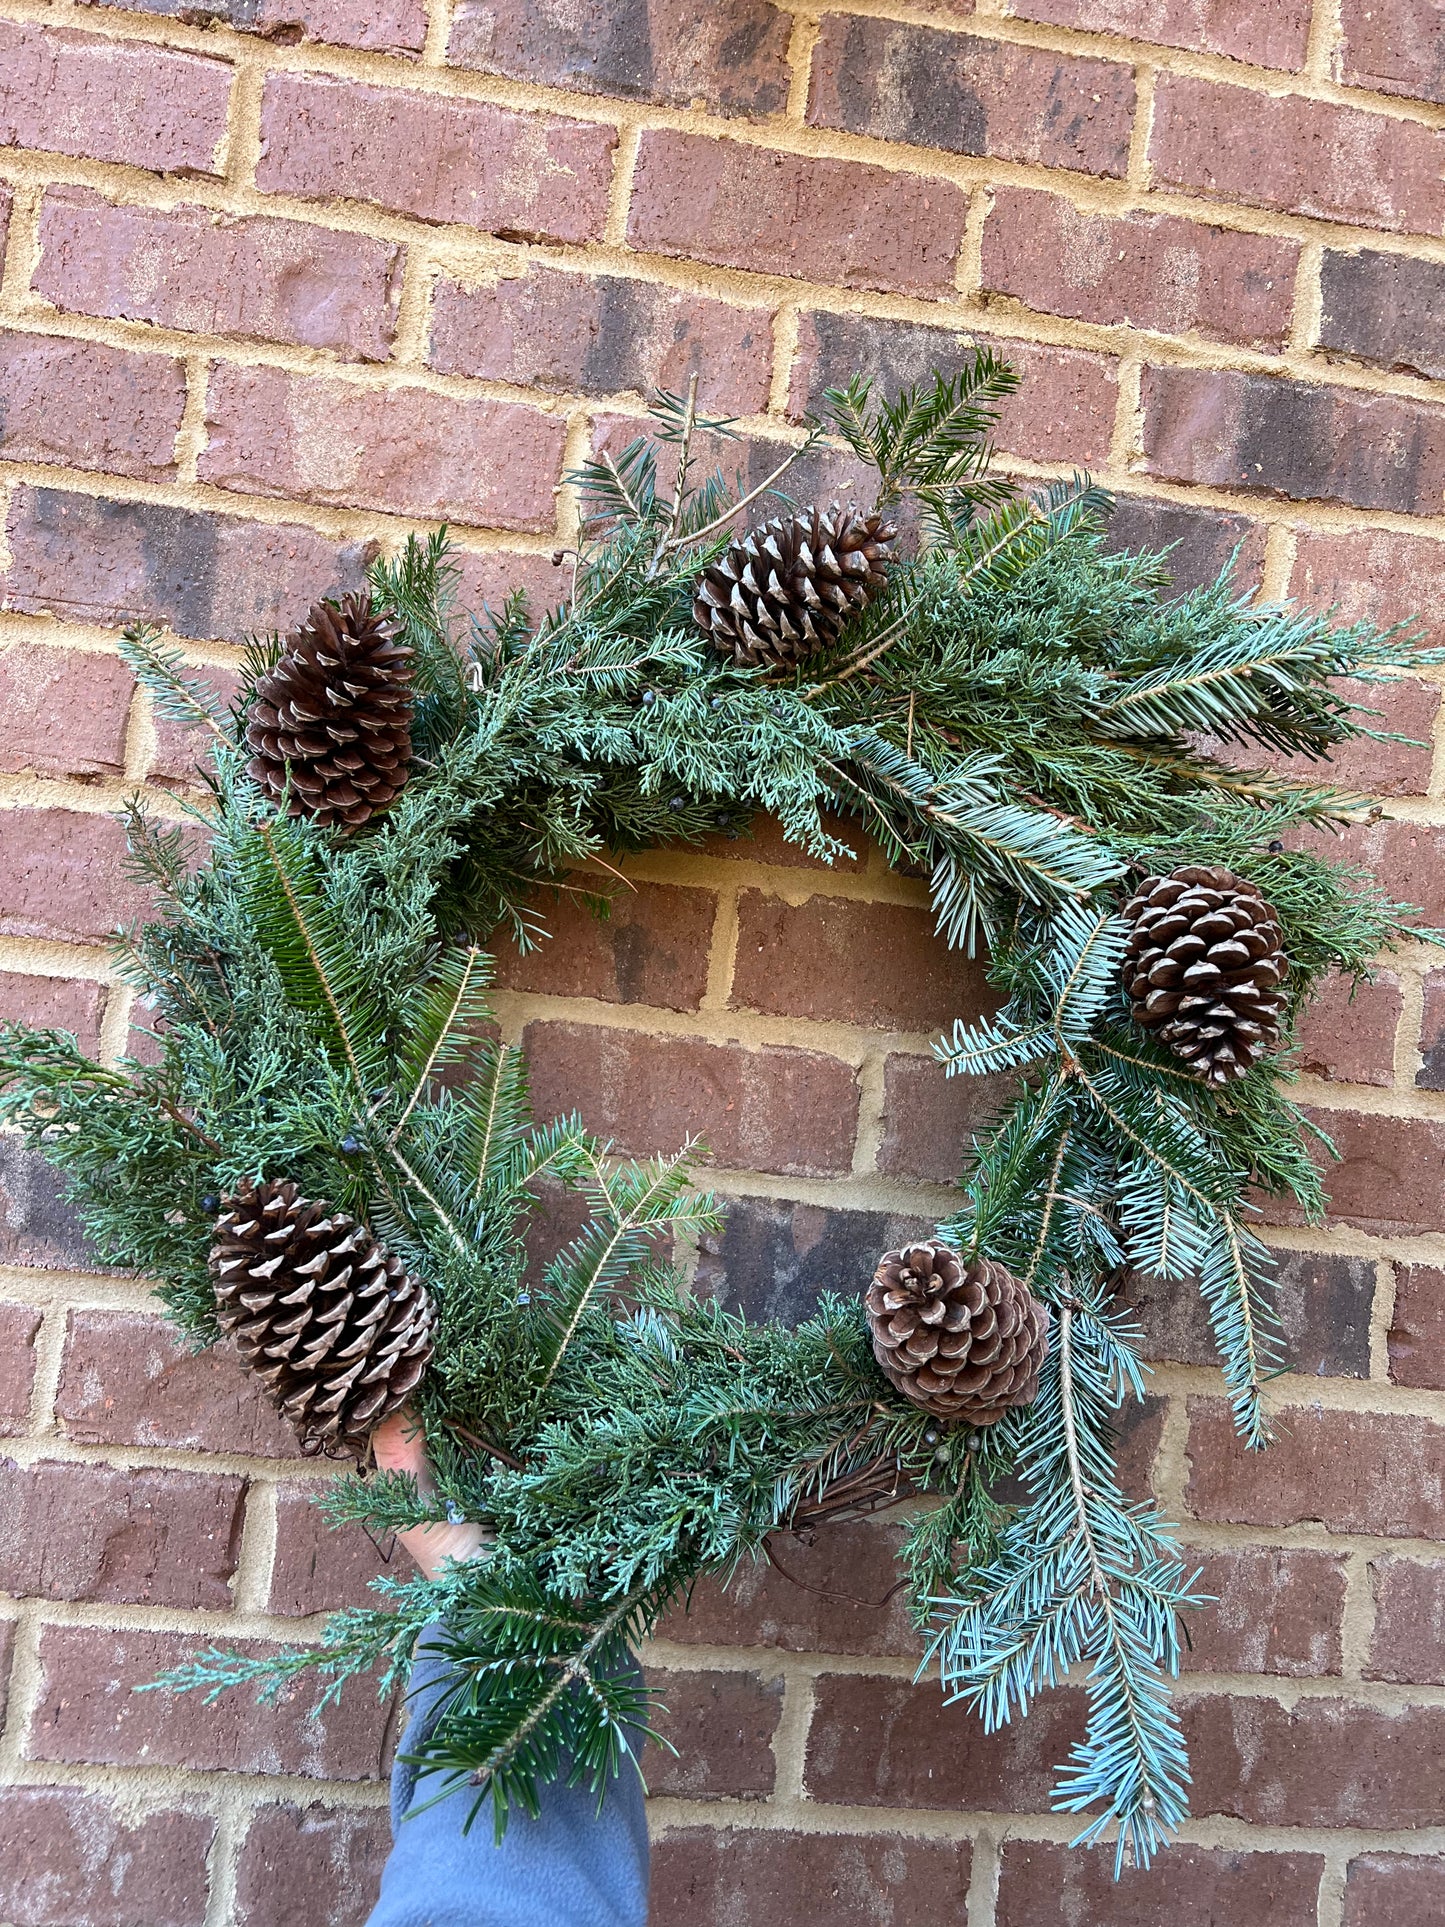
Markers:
335,716
332,1324
963,1339
784,590
1204,968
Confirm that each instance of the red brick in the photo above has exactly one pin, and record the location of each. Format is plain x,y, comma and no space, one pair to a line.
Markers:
54,1003
1386,1165
214,274
89,560
62,713
1408,1638
377,26
722,1725
128,1379
1403,706
482,462
1350,1038
771,1109
929,1119
141,1537
601,334
1417,1328
972,96
183,749
835,1591
1306,156
651,949
1188,1886
727,1877
762,841
1395,1890
112,100
1404,858
731,56
1394,49
1275,1611
121,410
524,176
842,222
62,876
300,1865
86,1861
1202,542
320,1568
1324,1301
775,1258
18,1327
1149,270
37,1226
1319,1763
1294,439
1384,308
1373,575
1270,33
492,577
90,1714
1351,1471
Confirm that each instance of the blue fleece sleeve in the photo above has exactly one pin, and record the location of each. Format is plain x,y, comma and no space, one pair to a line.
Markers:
574,1866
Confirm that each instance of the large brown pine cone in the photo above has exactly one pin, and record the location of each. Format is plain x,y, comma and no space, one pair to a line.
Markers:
333,1325
962,1338
334,716
1204,969
784,590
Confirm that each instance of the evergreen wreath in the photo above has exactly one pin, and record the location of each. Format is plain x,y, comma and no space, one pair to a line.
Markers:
1018,713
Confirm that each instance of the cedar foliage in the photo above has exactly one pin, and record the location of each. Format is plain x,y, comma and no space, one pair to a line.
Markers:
1019,718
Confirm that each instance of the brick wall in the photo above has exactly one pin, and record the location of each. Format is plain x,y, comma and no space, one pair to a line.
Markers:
285,279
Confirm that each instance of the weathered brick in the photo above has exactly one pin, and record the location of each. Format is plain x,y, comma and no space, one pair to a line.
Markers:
182,749
488,463
771,1109
524,176
1395,1890
216,274
651,949
1324,1302
89,1713
1063,411
1408,1639
1274,1611
141,1537
1417,1328
929,1119
1352,1471
844,222
731,56
774,1258
62,876
727,1877
602,334
858,963
1268,33
37,1226
1348,1033
1149,270
19,1325
1189,1886
1201,542
112,100
492,576
972,96
1402,705
376,26
128,1379
1387,1177
1395,49
1319,1763
86,1861
1385,308
62,713
320,1568
722,1725
299,1865
1373,575
1293,439
121,410
54,1003
762,841
1306,156
89,560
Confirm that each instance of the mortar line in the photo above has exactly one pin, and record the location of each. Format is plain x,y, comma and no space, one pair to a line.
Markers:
1357,1619
1382,1317
722,954
256,1557
801,42
980,1909
1330,1901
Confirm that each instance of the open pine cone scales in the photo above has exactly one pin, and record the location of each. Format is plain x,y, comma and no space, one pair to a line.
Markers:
334,716
1204,969
332,1324
784,590
962,1338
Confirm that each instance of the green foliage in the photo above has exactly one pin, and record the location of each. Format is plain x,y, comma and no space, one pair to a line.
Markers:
1027,719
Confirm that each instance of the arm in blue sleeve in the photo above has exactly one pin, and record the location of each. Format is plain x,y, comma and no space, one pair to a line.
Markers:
574,1866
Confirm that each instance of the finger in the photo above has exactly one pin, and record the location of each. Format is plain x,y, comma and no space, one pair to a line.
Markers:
398,1445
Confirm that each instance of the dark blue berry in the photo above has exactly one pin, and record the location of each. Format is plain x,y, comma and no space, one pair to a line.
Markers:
675,803
351,1145
210,1203
1275,848
649,697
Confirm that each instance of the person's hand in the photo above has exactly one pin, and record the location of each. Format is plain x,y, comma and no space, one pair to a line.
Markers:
398,1446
